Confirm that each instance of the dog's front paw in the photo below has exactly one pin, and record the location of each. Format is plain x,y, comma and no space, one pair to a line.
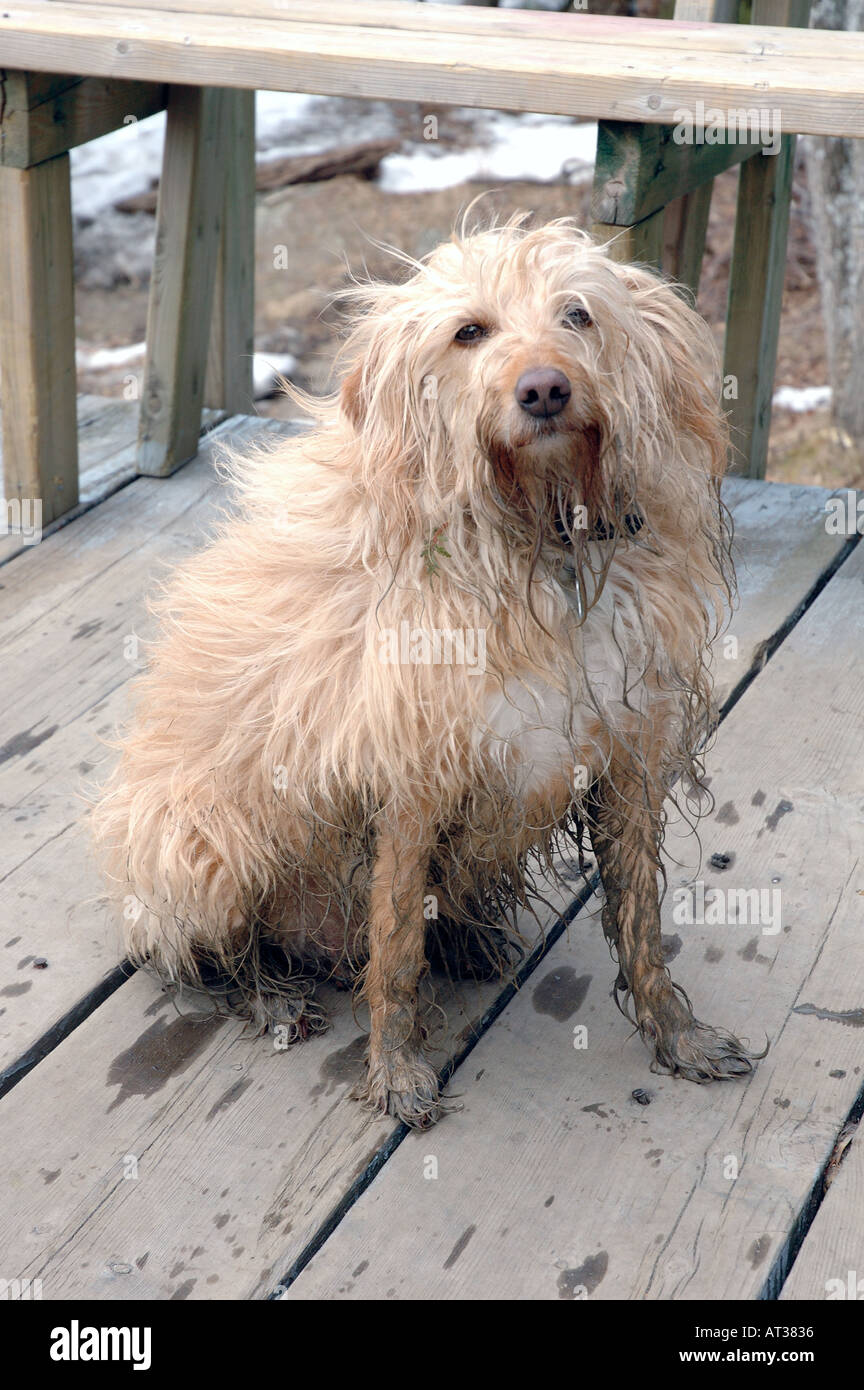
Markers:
402,1083
695,1051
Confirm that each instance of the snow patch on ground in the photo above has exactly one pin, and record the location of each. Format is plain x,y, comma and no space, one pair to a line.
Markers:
267,367
113,247
128,161
498,145
512,147
802,398
118,165
108,359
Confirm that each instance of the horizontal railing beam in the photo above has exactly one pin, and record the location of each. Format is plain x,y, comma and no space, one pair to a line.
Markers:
617,69
38,121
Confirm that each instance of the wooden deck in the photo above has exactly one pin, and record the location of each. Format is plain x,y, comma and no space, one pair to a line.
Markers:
149,1155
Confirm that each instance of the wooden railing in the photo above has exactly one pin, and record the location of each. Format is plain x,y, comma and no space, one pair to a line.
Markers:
203,59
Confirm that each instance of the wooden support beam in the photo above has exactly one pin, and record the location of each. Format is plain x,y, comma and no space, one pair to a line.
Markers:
753,306
37,337
642,242
707,11
685,223
793,14
41,117
232,339
181,290
641,168
756,279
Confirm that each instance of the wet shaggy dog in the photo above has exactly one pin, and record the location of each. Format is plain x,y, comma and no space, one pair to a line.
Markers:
463,618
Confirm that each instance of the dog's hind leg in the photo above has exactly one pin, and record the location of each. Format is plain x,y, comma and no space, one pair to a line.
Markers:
625,821
400,1080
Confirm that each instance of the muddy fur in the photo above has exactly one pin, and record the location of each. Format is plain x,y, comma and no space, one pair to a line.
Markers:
289,798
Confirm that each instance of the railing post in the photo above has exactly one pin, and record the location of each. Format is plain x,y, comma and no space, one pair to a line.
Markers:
37,337
756,278
188,221
232,337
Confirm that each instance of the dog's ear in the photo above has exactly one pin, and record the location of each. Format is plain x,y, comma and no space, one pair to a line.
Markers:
372,359
377,401
352,397
682,357
363,382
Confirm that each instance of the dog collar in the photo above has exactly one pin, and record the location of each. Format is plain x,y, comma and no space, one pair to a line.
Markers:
603,530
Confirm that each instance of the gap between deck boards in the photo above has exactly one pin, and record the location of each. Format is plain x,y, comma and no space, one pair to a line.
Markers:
784,1261
102,476
767,649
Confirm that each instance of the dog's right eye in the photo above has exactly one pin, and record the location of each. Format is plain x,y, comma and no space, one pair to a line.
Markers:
470,333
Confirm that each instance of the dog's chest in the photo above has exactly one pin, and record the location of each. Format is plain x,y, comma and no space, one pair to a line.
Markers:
536,732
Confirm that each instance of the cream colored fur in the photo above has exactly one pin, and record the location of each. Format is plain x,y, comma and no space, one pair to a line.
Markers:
273,755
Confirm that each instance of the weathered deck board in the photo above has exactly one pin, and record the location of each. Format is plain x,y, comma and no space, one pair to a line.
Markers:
781,548
107,442
67,610
243,1150
475,22
72,604
553,1179
834,1246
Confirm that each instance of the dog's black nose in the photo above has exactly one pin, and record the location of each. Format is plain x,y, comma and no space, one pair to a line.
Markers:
543,391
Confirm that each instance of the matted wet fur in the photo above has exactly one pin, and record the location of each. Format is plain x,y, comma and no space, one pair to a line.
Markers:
293,792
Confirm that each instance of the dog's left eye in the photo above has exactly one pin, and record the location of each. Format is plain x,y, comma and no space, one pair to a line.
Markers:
577,317
470,333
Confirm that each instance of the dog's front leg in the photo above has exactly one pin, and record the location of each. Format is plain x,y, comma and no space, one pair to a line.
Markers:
400,1080
626,832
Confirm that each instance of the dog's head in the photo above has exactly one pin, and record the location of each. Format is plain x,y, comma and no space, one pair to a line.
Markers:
521,371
